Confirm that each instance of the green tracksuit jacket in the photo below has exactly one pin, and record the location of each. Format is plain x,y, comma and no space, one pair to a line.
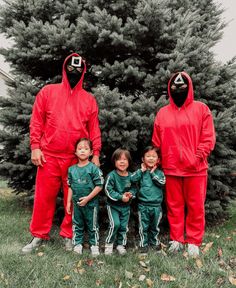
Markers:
118,211
82,181
149,197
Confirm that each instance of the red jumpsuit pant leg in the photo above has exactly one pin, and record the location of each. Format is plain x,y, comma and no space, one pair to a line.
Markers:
195,195
48,183
175,207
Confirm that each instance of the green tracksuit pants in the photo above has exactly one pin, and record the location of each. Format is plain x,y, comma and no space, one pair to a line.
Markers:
86,216
118,224
149,219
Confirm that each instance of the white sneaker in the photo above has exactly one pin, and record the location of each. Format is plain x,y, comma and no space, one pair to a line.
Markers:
68,244
121,249
193,250
94,250
78,249
34,243
108,249
175,246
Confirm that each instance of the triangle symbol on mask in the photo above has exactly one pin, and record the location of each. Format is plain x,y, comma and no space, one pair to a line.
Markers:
179,79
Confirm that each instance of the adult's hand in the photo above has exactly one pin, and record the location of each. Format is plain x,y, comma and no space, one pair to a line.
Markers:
95,160
37,157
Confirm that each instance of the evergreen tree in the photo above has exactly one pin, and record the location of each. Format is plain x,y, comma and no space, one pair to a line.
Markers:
131,48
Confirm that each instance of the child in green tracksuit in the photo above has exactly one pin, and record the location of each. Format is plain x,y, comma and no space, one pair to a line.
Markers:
119,191
85,182
150,181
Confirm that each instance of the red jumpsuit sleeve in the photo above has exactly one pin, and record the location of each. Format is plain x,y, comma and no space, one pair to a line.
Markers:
207,137
94,129
156,137
38,119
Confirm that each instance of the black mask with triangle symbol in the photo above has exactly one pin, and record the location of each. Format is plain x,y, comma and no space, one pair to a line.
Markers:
179,89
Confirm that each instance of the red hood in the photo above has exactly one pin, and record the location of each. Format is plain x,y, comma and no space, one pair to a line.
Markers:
64,76
190,96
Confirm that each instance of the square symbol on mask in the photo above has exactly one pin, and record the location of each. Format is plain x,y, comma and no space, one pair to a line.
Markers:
76,61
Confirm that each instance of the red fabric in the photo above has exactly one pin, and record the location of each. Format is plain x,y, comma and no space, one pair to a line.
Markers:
185,135
61,116
49,179
186,193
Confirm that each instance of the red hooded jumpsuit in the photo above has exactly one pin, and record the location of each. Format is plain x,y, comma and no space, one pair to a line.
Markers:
60,117
186,136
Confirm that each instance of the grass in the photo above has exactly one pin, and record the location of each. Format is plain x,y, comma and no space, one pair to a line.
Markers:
51,266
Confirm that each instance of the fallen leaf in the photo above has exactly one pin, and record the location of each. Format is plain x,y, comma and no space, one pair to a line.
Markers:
163,245
128,274
185,254
142,256
232,280
81,271
146,269
120,285
90,262
166,277
98,282
141,277
163,252
67,277
100,262
143,264
40,254
215,235
228,238
207,247
232,262
149,282
234,232
220,252
199,263
220,281
79,264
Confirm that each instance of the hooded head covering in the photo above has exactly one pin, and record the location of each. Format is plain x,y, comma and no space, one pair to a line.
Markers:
180,89
73,70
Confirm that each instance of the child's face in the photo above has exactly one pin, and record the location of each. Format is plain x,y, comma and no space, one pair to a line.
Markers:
150,158
83,150
122,163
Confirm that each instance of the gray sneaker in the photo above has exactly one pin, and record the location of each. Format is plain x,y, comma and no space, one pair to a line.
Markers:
175,246
34,243
94,250
121,249
78,249
68,244
193,250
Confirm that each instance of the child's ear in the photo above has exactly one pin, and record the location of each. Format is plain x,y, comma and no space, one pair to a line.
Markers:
142,159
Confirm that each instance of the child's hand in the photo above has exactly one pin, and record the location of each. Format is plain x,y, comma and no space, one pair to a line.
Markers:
153,168
68,208
128,194
125,198
143,167
83,201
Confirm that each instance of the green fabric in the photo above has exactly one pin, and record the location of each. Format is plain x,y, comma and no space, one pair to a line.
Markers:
150,186
85,216
116,186
83,180
149,219
118,224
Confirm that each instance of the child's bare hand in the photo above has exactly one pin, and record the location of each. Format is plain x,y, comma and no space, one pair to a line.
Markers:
153,168
68,208
143,167
125,198
83,201
128,194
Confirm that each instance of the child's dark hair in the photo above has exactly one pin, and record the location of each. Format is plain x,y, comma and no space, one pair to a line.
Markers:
150,148
117,154
84,139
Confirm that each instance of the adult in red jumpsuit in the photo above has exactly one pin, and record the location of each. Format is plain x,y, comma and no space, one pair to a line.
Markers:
184,131
62,113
